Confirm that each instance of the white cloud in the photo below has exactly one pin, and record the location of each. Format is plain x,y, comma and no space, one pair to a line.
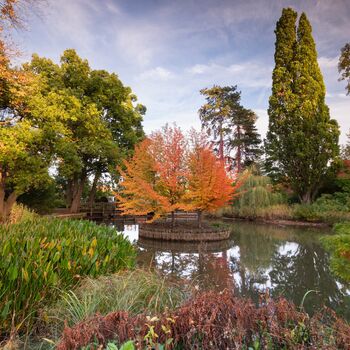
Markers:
327,62
158,73
248,74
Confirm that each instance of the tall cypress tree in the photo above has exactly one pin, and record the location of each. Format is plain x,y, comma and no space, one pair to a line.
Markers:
302,141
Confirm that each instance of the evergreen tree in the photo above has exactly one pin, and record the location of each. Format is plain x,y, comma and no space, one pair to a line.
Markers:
231,125
245,140
216,113
344,66
302,140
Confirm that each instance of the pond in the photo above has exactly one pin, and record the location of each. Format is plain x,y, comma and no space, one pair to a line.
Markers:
257,259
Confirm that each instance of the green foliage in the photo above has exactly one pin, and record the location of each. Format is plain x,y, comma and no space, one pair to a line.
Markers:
89,115
302,140
306,212
344,65
327,208
339,247
38,257
43,199
256,193
231,125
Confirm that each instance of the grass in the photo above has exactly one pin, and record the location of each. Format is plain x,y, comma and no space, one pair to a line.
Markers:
135,291
41,256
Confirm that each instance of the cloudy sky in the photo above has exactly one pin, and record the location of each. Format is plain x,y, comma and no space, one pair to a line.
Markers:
167,50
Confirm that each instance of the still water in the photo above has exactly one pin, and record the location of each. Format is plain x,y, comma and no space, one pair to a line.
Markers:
283,260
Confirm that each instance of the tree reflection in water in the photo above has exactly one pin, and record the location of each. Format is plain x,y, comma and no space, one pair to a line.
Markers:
287,261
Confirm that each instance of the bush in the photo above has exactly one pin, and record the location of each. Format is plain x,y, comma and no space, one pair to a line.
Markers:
339,247
215,321
305,212
20,213
38,257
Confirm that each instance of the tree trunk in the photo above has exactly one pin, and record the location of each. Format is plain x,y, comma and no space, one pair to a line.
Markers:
92,193
69,193
6,204
199,214
306,197
221,144
78,186
239,151
172,219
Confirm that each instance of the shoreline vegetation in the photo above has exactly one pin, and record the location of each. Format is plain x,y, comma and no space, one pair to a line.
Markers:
78,302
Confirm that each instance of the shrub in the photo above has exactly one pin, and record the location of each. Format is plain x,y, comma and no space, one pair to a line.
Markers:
38,257
215,321
20,213
339,247
306,212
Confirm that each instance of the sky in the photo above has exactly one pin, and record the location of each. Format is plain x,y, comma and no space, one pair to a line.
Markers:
167,50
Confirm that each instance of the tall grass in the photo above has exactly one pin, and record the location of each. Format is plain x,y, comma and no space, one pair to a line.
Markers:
40,256
135,291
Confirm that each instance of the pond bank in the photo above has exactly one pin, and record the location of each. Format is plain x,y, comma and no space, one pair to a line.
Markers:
280,222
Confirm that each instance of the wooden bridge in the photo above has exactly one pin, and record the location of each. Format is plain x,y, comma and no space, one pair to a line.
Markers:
110,211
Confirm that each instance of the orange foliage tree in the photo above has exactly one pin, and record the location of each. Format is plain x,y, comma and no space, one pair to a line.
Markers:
164,176
209,186
140,194
169,150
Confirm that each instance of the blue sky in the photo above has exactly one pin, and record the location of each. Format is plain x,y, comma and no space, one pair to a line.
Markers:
167,50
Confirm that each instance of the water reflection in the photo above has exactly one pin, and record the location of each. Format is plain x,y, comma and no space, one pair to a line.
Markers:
283,260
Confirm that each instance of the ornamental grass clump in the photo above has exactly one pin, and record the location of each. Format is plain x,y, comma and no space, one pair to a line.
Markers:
41,257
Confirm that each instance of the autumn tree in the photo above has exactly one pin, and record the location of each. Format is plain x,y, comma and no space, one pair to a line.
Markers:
209,186
344,66
302,139
164,175
140,193
169,148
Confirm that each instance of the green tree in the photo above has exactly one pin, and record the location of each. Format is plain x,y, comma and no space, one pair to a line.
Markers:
245,140
302,140
93,117
344,66
231,125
